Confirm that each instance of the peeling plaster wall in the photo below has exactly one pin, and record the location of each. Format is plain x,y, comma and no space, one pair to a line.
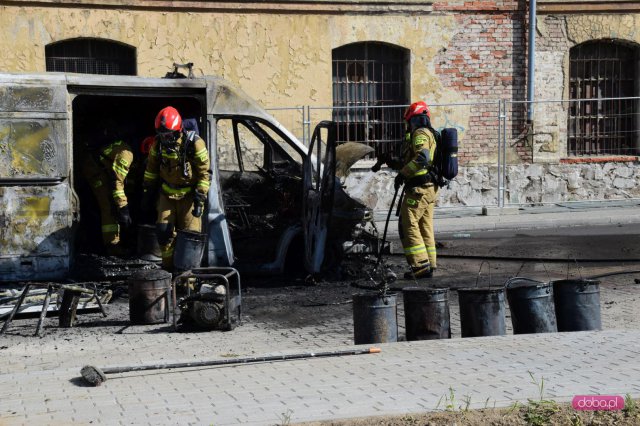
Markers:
285,59
464,51
275,58
557,34
281,60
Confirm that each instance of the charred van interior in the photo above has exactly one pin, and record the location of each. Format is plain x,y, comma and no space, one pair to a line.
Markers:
260,178
100,119
274,200
262,189
257,168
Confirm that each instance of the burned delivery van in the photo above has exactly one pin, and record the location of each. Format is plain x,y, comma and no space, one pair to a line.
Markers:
272,202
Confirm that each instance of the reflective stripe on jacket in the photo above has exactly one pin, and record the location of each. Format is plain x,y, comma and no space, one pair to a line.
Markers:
421,139
116,158
167,166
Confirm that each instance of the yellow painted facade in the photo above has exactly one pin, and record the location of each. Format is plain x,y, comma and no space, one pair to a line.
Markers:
279,59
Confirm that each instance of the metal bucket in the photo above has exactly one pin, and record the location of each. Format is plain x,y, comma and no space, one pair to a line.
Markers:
149,296
577,304
189,250
374,318
148,247
482,312
426,313
531,305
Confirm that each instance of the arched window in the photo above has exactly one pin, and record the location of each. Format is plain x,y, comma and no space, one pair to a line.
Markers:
600,123
370,83
91,56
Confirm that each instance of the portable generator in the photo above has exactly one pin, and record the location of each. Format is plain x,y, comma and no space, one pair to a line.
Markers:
213,299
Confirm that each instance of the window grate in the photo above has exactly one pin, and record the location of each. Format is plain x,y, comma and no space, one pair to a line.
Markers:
369,92
91,56
599,125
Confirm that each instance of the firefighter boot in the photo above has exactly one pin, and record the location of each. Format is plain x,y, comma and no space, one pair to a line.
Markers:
422,271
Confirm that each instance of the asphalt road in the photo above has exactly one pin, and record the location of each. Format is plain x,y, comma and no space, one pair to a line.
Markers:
601,243
39,378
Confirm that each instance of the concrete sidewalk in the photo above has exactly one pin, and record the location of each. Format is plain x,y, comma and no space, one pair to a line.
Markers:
468,219
39,378
406,377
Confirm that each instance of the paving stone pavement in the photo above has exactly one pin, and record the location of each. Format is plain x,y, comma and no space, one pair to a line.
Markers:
39,378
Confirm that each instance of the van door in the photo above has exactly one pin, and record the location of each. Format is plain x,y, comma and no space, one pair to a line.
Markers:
35,194
318,183
219,248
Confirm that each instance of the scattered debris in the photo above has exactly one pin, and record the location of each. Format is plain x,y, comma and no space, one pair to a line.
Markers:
37,304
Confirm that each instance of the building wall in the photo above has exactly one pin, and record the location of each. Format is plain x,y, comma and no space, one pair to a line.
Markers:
462,52
557,35
285,59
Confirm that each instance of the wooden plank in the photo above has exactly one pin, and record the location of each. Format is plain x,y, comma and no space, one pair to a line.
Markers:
70,299
45,308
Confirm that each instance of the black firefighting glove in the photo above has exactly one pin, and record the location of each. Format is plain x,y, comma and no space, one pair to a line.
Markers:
384,158
398,181
198,204
422,160
124,219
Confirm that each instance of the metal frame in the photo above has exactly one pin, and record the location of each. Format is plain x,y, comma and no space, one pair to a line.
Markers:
505,120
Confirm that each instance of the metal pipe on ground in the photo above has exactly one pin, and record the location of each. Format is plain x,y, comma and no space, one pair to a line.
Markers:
96,376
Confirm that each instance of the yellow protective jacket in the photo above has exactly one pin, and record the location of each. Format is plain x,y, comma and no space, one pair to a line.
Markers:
421,139
116,159
179,170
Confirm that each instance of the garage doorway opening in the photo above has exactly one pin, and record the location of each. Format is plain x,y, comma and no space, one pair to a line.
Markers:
130,119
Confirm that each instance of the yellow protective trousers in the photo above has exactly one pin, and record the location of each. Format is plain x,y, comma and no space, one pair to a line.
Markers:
416,226
177,214
99,183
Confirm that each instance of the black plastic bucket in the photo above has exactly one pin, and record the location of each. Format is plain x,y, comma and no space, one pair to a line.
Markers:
149,296
148,247
531,305
374,318
189,249
426,313
577,304
482,312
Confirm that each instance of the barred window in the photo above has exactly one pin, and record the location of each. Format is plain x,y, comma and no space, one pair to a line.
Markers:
369,91
91,56
599,126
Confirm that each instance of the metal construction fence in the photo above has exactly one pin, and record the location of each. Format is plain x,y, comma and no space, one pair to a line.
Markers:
521,161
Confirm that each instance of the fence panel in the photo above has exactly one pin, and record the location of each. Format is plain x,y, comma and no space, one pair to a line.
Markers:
574,150
478,126
293,119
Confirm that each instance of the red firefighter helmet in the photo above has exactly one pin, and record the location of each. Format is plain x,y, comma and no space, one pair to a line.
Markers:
145,145
168,119
416,108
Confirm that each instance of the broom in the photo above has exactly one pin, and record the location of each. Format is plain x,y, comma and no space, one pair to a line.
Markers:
96,376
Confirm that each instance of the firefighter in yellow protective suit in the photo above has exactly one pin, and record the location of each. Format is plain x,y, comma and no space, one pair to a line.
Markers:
105,170
421,191
178,171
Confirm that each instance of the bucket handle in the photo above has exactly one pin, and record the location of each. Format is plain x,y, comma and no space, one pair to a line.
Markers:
578,267
512,279
543,265
480,272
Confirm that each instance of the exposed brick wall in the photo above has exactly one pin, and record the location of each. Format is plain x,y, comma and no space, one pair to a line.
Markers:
555,35
487,60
